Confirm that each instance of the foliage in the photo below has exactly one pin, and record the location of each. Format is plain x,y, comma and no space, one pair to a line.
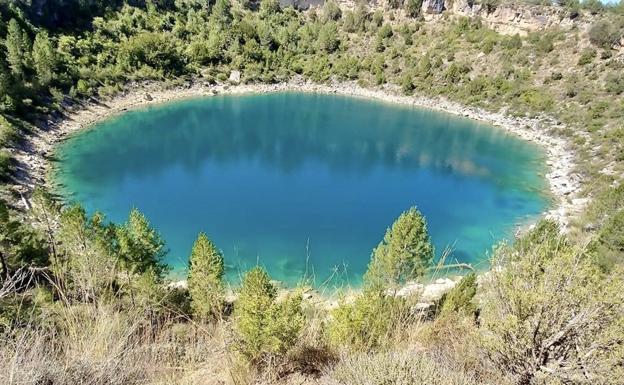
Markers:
8,132
266,328
367,322
328,40
86,262
604,34
608,247
44,61
6,164
412,7
461,298
549,313
404,254
614,83
205,279
17,47
19,245
587,56
140,247
331,11
153,50
399,368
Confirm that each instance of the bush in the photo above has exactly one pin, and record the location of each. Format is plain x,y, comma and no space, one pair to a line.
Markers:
407,84
614,83
398,368
8,132
603,34
328,40
331,11
461,298
587,56
488,45
154,50
537,99
608,247
6,165
266,329
412,7
544,43
512,43
549,314
366,323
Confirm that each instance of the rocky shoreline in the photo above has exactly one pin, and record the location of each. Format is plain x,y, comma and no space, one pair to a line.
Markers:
35,158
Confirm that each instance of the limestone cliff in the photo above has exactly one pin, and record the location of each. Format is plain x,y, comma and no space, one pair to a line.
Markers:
512,19
507,19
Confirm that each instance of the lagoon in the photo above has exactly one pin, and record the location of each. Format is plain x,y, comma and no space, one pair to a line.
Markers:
304,184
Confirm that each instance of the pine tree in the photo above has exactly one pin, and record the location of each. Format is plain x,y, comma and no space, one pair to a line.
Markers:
265,328
404,254
18,47
43,58
221,14
87,264
412,7
205,279
4,85
141,247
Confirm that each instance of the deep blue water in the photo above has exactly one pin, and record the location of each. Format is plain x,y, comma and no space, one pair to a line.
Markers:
303,182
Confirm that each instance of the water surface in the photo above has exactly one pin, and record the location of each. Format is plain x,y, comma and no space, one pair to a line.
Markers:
302,182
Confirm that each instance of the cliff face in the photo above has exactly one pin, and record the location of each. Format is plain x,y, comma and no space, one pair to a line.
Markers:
510,19
505,19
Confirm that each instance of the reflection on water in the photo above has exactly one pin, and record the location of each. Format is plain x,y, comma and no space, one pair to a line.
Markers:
300,181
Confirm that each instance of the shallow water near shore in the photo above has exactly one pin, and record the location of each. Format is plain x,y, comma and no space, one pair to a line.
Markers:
304,184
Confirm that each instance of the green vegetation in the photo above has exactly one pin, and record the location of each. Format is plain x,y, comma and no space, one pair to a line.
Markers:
205,279
460,299
404,254
550,312
266,328
83,300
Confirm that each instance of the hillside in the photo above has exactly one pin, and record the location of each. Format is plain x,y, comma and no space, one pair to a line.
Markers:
87,301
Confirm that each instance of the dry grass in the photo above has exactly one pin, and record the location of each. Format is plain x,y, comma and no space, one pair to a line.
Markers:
100,345
398,368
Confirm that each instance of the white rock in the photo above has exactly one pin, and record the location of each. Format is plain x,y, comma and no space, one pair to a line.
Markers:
235,77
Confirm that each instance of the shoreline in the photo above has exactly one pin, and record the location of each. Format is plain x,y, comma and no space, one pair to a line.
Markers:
36,157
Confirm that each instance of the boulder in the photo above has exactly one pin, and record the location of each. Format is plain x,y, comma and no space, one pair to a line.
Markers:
434,291
235,77
432,6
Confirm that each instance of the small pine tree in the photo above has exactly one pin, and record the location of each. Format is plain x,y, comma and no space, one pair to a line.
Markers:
205,280
328,39
331,11
412,7
365,323
17,47
461,298
141,247
43,58
266,329
404,254
221,13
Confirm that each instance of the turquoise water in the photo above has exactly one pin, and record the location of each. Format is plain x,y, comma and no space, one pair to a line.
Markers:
303,182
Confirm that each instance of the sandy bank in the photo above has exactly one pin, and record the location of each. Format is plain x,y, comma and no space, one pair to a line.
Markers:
35,157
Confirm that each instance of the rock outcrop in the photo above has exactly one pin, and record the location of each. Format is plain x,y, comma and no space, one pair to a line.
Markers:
432,6
505,19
